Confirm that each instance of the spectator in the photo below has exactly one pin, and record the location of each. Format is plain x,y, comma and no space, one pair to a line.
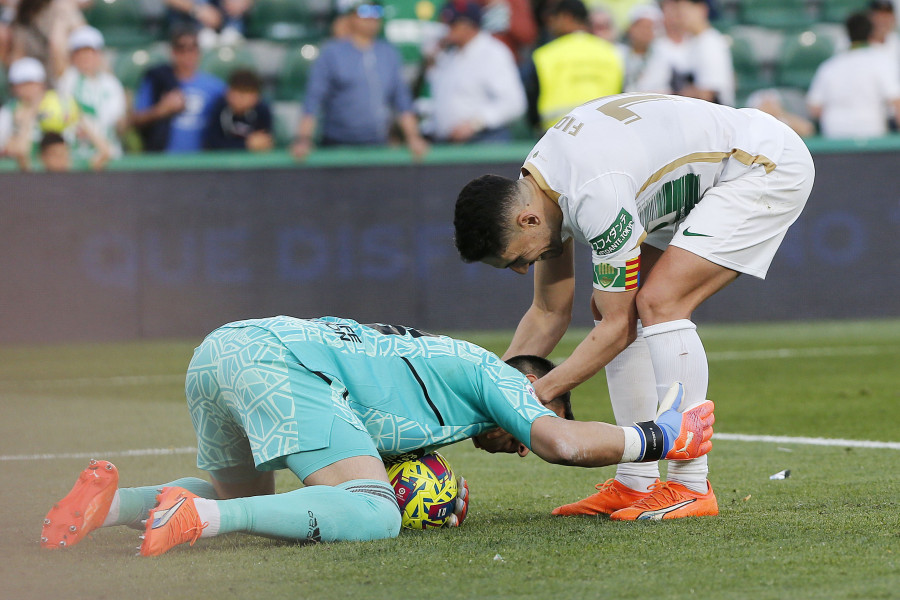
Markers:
855,92
217,21
99,95
602,23
475,85
709,74
240,120
884,30
619,11
512,22
54,153
668,53
41,29
573,68
778,103
356,86
645,21
173,101
34,111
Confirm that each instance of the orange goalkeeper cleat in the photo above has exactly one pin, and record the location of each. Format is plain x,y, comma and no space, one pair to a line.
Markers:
83,509
174,521
670,500
611,496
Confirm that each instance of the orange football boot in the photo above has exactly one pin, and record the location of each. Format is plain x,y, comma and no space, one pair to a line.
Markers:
670,500
83,509
174,521
611,496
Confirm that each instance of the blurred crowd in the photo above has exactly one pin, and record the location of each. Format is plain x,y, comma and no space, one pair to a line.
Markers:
413,72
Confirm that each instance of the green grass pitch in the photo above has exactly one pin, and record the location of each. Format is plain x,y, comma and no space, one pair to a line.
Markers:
831,530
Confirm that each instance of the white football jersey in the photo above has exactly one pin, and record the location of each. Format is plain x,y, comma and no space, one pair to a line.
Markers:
623,166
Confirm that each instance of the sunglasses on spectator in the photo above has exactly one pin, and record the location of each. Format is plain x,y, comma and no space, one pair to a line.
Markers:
370,11
185,47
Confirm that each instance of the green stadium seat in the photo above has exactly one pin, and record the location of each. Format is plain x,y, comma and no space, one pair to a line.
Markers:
130,65
801,55
836,11
748,69
406,23
223,60
122,23
777,14
295,72
289,21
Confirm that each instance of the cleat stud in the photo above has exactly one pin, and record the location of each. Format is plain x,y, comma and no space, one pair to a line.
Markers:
72,528
109,467
77,513
46,522
92,463
62,543
44,540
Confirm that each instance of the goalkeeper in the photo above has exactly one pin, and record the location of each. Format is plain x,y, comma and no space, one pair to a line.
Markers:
330,399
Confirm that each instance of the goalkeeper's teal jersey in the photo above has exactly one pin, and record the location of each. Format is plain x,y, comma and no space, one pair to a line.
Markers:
413,391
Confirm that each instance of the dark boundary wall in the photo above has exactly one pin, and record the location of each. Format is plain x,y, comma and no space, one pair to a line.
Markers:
175,254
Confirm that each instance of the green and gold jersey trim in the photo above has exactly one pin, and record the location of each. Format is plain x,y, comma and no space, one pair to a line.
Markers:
741,156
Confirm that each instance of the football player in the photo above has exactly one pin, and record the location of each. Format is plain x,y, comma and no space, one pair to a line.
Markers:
330,399
678,193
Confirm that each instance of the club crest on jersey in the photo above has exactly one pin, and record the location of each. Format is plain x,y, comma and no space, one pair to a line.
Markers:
604,274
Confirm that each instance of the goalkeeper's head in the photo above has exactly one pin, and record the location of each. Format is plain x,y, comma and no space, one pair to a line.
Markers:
535,367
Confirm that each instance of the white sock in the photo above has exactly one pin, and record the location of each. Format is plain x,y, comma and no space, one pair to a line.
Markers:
632,392
678,355
208,511
113,515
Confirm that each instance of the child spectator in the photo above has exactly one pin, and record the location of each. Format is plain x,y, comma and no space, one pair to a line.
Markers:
240,120
54,153
99,95
34,111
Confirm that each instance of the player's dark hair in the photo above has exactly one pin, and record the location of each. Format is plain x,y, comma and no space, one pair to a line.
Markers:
528,364
245,80
859,27
482,209
51,138
574,8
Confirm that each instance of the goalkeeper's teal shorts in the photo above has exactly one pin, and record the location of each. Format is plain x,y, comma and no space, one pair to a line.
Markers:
252,404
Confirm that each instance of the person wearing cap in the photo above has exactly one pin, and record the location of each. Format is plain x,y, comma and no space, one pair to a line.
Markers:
174,100
855,92
34,110
645,21
356,90
668,53
576,66
475,85
99,95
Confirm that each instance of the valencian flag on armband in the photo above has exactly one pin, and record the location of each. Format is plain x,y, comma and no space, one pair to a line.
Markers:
633,273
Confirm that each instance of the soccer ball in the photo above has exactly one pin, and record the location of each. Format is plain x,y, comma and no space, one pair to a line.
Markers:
57,113
426,491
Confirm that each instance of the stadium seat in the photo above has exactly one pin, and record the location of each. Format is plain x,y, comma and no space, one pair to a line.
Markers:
289,20
801,54
122,23
836,11
223,60
748,69
292,81
408,23
130,65
778,14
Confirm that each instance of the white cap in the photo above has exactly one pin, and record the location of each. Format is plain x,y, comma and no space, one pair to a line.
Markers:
27,70
645,11
85,37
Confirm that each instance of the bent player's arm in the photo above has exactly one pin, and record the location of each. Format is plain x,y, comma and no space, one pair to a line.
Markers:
615,331
577,443
548,317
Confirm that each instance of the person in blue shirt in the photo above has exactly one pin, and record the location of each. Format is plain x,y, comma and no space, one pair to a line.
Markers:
173,102
330,399
356,89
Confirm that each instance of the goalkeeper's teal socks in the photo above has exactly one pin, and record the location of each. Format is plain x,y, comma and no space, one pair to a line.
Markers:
361,509
131,505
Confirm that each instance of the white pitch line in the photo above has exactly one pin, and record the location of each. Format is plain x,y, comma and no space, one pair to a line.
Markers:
730,437
783,439
142,452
